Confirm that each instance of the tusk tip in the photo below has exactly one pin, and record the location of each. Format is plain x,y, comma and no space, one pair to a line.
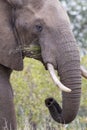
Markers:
67,90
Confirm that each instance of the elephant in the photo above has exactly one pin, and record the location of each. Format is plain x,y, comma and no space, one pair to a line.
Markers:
45,25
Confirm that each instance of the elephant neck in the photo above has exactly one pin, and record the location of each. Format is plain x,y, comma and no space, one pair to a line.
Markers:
4,72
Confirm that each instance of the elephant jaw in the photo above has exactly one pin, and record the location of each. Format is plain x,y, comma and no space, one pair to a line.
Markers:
32,51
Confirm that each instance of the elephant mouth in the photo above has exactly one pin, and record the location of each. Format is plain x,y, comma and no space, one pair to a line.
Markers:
31,51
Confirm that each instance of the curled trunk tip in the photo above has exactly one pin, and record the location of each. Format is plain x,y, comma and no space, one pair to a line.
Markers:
54,109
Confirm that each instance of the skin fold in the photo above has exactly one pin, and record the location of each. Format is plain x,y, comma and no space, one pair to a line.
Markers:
42,24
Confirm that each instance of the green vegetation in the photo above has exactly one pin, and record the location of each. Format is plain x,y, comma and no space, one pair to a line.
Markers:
31,87
77,11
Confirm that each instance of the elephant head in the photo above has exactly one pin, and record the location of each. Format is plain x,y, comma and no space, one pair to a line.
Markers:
44,24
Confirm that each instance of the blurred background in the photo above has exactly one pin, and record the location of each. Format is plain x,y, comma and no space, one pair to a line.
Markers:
33,85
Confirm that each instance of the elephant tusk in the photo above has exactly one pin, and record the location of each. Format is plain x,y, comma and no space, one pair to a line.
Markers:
55,79
83,72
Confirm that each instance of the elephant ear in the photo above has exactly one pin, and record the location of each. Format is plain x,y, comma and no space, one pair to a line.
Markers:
10,54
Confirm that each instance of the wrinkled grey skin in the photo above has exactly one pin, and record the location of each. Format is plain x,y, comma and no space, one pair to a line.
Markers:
43,23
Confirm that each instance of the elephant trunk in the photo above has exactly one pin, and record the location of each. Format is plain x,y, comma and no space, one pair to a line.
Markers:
70,75
70,101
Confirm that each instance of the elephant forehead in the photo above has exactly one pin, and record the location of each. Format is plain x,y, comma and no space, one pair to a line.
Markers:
53,13
50,11
35,5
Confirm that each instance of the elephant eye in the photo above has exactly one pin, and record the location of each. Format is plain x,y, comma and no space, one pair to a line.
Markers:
39,28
